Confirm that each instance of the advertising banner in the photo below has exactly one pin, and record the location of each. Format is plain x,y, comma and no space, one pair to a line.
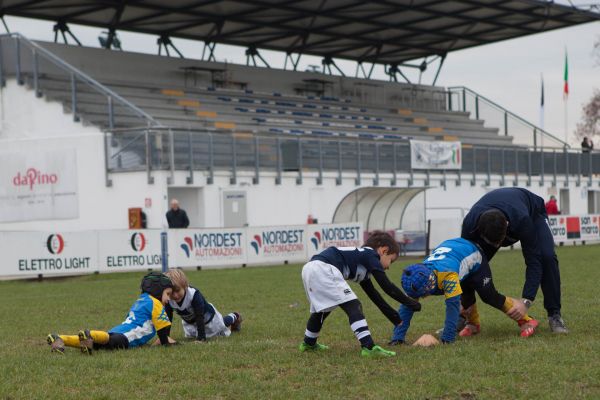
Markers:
207,247
571,227
276,244
426,154
558,227
53,253
133,250
38,185
320,237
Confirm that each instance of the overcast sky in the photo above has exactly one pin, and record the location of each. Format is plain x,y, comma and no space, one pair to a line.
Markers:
507,72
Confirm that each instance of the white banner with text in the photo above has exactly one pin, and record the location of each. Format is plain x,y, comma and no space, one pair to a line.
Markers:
38,185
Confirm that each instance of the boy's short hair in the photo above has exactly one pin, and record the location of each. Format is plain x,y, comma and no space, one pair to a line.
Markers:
177,276
379,239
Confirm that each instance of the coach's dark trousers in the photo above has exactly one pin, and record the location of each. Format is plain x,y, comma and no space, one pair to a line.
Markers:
550,281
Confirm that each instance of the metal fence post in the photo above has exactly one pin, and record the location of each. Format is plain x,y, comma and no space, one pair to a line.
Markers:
376,179
320,176
505,123
278,177
516,181
566,166
299,177
36,80
528,167
111,113
474,179
464,99
477,107
579,157
233,178
211,160
18,60
503,169
394,165
590,169
358,163
542,168
171,179
148,157
554,157
190,178
256,178
338,180
489,167
107,179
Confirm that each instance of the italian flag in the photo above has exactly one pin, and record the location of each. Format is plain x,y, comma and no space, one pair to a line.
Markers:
566,86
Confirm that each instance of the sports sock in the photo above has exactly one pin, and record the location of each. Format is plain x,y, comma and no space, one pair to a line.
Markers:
473,317
70,340
99,337
229,319
508,304
362,333
358,323
313,327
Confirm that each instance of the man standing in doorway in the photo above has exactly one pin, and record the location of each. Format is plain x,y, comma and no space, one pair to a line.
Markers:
177,217
505,216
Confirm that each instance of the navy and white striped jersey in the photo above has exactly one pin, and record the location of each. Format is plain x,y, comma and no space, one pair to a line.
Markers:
192,301
355,264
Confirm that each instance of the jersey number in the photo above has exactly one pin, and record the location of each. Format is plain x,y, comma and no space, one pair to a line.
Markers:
439,253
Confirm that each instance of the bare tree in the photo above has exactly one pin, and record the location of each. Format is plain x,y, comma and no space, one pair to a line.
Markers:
590,119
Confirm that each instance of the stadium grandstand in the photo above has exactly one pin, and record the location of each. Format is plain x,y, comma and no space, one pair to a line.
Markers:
285,143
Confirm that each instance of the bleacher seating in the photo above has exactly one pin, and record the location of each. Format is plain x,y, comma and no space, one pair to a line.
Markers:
258,112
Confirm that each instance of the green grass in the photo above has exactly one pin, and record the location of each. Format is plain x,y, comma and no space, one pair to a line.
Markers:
263,361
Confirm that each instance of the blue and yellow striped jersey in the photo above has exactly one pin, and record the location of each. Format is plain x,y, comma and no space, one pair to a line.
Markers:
146,316
453,261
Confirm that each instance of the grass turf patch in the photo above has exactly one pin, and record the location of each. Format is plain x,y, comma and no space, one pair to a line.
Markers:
263,360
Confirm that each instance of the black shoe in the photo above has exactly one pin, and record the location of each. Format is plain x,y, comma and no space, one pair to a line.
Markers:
557,325
396,342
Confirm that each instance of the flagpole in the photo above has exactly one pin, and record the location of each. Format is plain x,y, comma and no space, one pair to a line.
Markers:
542,114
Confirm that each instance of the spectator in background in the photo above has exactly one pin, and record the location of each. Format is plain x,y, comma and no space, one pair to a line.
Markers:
177,217
587,145
552,207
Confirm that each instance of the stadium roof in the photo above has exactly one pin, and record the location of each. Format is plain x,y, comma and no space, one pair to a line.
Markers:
378,31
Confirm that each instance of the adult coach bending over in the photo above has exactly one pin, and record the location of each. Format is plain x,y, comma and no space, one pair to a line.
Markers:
505,216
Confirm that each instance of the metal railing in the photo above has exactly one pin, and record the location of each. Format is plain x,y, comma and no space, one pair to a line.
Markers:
28,61
461,98
208,151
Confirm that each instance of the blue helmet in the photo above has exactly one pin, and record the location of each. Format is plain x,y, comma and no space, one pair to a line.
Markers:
418,280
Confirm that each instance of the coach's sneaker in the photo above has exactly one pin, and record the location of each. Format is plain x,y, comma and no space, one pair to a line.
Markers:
86,343
56,343
376,351
315,347
470,330
527,327
557,325
237,325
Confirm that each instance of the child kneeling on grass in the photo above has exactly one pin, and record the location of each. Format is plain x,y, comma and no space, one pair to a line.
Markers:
147,317
200,319
324,278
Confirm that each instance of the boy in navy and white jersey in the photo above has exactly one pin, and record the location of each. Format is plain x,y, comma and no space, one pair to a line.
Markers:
324,278
200,319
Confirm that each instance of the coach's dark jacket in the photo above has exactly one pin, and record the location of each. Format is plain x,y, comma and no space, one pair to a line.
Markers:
177,219
526,215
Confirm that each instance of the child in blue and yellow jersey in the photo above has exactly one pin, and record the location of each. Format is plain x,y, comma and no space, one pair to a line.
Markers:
456,269
146,318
